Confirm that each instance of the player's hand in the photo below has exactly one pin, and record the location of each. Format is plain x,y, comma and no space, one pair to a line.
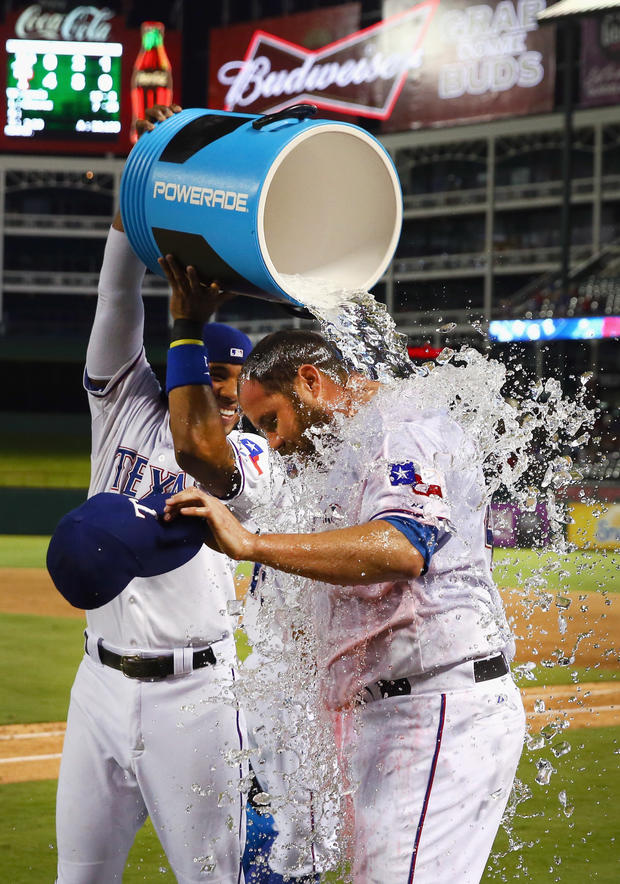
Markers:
189,297
228,535
155,114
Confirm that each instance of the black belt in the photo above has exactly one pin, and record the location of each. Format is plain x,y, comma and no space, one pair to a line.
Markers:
484,670
150,668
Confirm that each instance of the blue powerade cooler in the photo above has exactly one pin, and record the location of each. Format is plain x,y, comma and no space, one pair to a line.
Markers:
253,200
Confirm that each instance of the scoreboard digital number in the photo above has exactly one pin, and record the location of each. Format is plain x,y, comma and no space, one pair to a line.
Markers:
63,89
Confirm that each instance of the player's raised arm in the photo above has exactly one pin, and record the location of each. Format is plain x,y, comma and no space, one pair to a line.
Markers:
197,419
117,332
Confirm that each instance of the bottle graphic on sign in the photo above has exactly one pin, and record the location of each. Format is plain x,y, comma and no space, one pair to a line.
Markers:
151,81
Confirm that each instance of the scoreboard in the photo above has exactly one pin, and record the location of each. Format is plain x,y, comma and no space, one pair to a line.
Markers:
60,88
66,75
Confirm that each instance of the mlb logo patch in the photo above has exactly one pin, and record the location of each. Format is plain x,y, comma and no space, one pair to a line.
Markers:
236,351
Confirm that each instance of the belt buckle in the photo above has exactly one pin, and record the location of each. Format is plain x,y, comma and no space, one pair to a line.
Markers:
126,663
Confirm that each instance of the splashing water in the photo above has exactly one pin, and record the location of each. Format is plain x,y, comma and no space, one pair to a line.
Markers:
521,442
358,325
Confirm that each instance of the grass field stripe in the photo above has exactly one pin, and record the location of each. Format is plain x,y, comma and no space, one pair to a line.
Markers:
33,735
19,759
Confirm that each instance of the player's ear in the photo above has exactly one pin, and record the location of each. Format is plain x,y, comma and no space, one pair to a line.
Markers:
308,382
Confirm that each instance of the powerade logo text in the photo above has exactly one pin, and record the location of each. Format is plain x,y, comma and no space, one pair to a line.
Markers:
230,200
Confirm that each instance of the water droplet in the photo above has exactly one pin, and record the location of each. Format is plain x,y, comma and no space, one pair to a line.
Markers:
545,771
207,863
539,706
562,601
448,327
262,798
549,730
567,807
560,749
234,607
445,356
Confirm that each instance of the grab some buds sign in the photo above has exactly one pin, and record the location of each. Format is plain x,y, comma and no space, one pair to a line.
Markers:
479,61
426,63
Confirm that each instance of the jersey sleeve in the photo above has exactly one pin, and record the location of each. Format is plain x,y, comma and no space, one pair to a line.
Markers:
260,476
116,335
407,487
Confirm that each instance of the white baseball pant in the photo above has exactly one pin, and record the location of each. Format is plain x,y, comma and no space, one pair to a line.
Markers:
135,749
433,772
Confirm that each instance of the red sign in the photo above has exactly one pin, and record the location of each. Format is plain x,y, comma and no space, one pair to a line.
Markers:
478,61
361,74
426,63
233,57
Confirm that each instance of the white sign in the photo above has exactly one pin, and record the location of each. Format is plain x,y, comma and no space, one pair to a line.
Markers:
84,23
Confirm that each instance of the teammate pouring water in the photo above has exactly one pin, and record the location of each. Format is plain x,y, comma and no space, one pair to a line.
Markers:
152,718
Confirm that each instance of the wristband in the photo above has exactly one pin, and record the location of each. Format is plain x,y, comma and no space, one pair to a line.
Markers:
186,330
187,364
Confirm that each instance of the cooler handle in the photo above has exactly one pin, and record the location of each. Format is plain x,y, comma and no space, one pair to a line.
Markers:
300,111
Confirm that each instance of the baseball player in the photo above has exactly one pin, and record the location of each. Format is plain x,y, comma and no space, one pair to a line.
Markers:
152,726
303,830
416,643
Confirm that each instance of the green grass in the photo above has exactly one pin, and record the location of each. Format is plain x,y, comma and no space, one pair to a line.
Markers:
565,675
584,842
28,839
587,571
52,460
38,658
23,551
582,847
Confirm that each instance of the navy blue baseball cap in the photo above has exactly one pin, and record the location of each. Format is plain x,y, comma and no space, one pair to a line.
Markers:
99,547
225,343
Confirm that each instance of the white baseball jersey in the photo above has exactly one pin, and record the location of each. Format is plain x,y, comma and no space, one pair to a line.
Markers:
431,770
157,748
133,454
421,466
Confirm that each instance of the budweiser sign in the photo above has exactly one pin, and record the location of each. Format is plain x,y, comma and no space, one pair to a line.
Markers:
83,23
361,74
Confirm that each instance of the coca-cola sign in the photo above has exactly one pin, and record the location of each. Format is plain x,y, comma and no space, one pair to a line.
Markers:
82,23
276,71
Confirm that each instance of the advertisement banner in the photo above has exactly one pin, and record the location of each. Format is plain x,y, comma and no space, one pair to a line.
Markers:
600,60
513,526
595,527
263,65
478,61
428,62
66,77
